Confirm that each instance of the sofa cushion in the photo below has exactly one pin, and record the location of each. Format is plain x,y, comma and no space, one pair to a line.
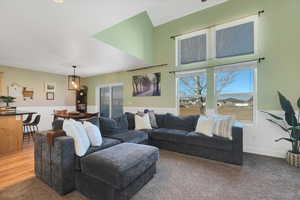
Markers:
106,143
113,126
94,120
120,165
131,121
171,135
180,123
131,136
216,142
160,120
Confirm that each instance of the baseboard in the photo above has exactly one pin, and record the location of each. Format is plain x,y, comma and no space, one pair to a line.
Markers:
278,153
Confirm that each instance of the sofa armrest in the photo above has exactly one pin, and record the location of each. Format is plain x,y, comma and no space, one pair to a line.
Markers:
63,164
54,164
237,139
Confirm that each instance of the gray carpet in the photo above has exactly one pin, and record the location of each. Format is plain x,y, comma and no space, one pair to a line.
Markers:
182,177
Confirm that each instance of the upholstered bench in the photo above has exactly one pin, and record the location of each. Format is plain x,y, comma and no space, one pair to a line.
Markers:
118,172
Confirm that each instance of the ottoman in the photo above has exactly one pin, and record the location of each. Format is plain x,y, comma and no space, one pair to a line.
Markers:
116,173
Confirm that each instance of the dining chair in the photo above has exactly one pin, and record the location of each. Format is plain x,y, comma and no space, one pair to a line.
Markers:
34,125
26,128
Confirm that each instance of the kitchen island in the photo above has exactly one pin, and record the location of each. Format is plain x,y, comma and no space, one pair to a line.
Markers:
11,130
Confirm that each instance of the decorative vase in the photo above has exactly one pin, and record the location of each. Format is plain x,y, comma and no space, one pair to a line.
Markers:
293,159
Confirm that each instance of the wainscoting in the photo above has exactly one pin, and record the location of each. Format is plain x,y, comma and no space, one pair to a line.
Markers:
46,113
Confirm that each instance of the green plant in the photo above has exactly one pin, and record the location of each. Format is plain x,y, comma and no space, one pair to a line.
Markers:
289,123
7,100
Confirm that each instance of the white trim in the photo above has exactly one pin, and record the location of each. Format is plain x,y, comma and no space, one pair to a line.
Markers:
238,67
110,86
190,73
190,35
46,113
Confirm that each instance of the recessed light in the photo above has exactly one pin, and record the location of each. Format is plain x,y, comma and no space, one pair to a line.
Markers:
58,1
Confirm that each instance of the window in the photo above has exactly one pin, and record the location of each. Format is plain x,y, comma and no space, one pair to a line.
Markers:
191,92
192,48
236,38
111,100
233,39
235,90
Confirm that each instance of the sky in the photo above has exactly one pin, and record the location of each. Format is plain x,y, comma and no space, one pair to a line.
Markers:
243,82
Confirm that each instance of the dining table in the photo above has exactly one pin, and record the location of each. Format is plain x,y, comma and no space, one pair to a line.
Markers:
11,130
75,116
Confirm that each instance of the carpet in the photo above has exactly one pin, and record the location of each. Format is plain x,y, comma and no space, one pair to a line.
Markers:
183,177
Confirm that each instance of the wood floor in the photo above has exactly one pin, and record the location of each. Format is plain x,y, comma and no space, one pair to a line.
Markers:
17,167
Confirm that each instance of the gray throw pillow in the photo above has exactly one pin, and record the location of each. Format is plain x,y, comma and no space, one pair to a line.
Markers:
113,126
152,119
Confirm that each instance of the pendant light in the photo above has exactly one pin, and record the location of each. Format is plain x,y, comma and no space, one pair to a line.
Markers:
73,80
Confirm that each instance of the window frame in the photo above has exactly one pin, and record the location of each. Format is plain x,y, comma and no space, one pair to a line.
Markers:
246,20
183,74
190,35
238,67
211,40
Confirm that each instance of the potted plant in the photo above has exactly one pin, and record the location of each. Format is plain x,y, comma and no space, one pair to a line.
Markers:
7,100
291,125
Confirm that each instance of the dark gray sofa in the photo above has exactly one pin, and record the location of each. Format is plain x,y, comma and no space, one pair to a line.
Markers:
177,134
61,169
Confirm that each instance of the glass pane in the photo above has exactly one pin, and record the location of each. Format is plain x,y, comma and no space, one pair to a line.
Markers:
192,95
239,106
235,41
192,49
117,101
104,102
230,82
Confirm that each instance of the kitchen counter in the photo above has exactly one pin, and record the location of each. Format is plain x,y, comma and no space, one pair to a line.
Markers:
11,130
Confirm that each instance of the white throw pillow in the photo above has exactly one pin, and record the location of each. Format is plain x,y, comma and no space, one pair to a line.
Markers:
77,132
205,125
93,133
142,122
224,125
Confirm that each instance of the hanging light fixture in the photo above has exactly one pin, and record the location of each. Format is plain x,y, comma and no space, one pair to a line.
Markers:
73,80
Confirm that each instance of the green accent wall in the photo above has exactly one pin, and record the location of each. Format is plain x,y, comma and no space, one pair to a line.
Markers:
133,36
278,39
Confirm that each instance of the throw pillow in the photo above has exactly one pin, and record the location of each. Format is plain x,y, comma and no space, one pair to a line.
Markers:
152,119
113,126
142,122
205,125
224,125
130,118
93,133
77,132
180,123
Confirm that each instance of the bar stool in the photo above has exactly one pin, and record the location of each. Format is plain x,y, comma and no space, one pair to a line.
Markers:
26,128
33,126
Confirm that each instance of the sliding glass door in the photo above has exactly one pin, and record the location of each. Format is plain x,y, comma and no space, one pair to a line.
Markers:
111,101
105,102
116,101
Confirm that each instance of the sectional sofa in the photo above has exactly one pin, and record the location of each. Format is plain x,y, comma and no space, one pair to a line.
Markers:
60,168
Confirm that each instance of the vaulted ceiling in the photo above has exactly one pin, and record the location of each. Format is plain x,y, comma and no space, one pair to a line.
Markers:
46,36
